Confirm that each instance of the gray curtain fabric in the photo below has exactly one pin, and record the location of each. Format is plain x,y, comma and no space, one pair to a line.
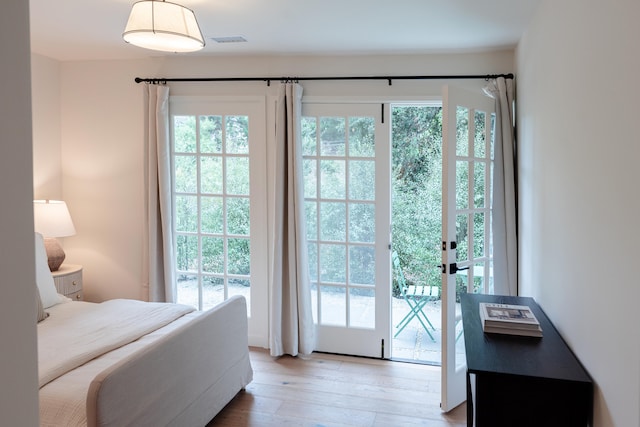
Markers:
292,330
505,240
158,244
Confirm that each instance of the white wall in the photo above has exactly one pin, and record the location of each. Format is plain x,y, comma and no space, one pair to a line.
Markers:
18,370
45,87
579,145
102,136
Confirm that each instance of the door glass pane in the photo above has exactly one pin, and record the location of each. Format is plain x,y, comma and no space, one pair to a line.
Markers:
237,175
238,259
211,174
462,184
479,141
462,131
333,306
237,135
362,178
361,314
212,255
362,222
333,221
464,282
211,134
184,134
212,218
479,181
478,234
332,263
308,132
238,216
362,265
478,277
186,174
187,213
187,253
361,137
311,213
332,179
310,178
212,292
462,233
332,136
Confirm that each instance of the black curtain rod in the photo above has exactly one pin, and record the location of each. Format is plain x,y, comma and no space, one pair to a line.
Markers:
296,79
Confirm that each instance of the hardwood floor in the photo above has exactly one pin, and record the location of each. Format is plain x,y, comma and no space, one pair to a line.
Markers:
331,390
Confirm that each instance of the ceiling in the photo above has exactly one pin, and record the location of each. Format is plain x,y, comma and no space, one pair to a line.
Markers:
69,30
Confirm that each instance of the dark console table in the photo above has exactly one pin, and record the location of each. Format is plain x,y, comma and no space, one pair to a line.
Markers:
522,381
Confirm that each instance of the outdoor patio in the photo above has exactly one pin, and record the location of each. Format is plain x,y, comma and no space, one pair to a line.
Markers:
412,344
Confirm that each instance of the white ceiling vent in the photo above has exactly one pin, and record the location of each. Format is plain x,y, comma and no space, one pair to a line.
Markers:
229,39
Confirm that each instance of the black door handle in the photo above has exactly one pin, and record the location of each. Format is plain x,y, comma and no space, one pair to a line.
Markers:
453,268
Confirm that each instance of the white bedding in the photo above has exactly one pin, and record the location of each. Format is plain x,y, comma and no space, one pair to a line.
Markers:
63,402
181,374
96,329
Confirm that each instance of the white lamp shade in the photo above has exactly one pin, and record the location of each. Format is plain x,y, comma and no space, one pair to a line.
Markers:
52,219
164,26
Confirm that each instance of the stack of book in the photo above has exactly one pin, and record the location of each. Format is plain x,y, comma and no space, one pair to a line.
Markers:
509,319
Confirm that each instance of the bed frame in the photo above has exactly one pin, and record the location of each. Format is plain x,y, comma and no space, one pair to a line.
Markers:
183,379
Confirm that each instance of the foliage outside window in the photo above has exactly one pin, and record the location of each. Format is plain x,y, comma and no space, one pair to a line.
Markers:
211,199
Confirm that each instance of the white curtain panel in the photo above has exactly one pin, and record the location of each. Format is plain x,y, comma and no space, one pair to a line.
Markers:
292,330
158,240
505,241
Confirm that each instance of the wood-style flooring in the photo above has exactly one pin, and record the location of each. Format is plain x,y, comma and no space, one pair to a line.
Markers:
331,390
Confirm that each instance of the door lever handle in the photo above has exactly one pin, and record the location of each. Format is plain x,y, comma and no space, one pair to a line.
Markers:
453,268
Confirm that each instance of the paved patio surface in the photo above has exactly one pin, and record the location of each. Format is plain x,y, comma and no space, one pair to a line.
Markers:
412,344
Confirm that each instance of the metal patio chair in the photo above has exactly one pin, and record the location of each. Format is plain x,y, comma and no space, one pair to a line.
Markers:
416,297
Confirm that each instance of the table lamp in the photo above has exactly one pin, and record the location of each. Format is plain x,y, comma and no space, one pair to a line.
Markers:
52,220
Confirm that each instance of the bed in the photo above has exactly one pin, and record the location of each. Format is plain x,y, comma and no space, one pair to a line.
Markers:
133,363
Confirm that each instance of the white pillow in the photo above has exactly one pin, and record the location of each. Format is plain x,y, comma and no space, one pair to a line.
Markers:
44,279
41,313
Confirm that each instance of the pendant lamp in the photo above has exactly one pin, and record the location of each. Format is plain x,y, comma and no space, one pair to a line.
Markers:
164,26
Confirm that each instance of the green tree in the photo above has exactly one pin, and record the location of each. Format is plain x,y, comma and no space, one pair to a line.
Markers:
417,191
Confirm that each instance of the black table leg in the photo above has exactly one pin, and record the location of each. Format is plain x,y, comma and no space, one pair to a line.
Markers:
469,402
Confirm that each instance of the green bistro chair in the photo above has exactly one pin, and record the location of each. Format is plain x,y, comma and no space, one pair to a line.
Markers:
416,297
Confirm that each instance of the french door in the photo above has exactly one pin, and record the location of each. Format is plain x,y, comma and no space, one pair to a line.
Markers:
468,125
346,155
219,196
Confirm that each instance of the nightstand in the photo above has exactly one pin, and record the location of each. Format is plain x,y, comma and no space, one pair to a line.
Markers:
68,281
